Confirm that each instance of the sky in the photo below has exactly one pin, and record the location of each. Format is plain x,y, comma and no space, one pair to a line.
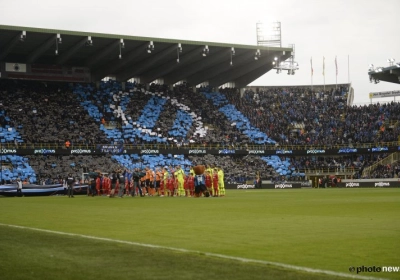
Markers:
357,32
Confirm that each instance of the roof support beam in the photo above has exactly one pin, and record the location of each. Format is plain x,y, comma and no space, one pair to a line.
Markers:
9,46
203,63
266,66
223,67
42,49
145,64
102,53
237,71
114,66
253,75
67,55
185,59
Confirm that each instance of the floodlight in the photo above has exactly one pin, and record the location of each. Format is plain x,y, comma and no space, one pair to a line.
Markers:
371,67
205,51
59,40
121,46
89,41
23,36
178,51
391,61
150,47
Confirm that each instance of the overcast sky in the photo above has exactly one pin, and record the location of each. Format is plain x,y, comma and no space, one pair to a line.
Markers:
365,30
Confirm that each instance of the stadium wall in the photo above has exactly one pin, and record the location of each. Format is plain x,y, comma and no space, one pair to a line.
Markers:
42,72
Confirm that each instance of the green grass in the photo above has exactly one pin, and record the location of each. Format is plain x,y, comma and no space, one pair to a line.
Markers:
329,229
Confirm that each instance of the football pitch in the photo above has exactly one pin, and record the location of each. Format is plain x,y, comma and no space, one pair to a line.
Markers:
249,234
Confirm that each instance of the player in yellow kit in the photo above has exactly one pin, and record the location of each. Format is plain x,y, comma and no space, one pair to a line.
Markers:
180,177
165,178
221,184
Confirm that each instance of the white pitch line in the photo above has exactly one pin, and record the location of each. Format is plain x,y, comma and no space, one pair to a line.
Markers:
245,260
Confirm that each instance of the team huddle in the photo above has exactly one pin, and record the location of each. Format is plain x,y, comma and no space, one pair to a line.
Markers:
165,181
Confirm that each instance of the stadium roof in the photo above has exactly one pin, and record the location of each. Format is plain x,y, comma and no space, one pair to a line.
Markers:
101,56
389,74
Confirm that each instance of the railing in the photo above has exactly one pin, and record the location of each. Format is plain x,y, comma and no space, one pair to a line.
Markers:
5,165
111,124
199,146
387,160
329,170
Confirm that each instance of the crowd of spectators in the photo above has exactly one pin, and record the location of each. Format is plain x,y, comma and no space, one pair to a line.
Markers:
219,129
300,116
355,164
379,169
51,113
385,171
47,113
51,168
238,169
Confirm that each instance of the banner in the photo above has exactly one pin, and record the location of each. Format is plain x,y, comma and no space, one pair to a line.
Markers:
120,149
16,67
277,185
380,94
374,184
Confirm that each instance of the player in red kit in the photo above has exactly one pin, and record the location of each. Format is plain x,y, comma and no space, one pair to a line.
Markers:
191,185
215,182
208,180
106,185
98,185
171,185
186,186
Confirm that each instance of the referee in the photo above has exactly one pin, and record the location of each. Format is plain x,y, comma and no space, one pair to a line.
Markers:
114,179
19,187
70,183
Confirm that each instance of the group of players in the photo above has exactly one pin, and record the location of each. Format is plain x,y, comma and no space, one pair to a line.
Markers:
166,181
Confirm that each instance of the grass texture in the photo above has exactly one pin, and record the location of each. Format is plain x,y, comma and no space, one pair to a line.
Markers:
326,229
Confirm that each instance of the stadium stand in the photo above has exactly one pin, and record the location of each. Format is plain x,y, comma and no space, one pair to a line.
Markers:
45,113
297,116
14,166
53,167
36,113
